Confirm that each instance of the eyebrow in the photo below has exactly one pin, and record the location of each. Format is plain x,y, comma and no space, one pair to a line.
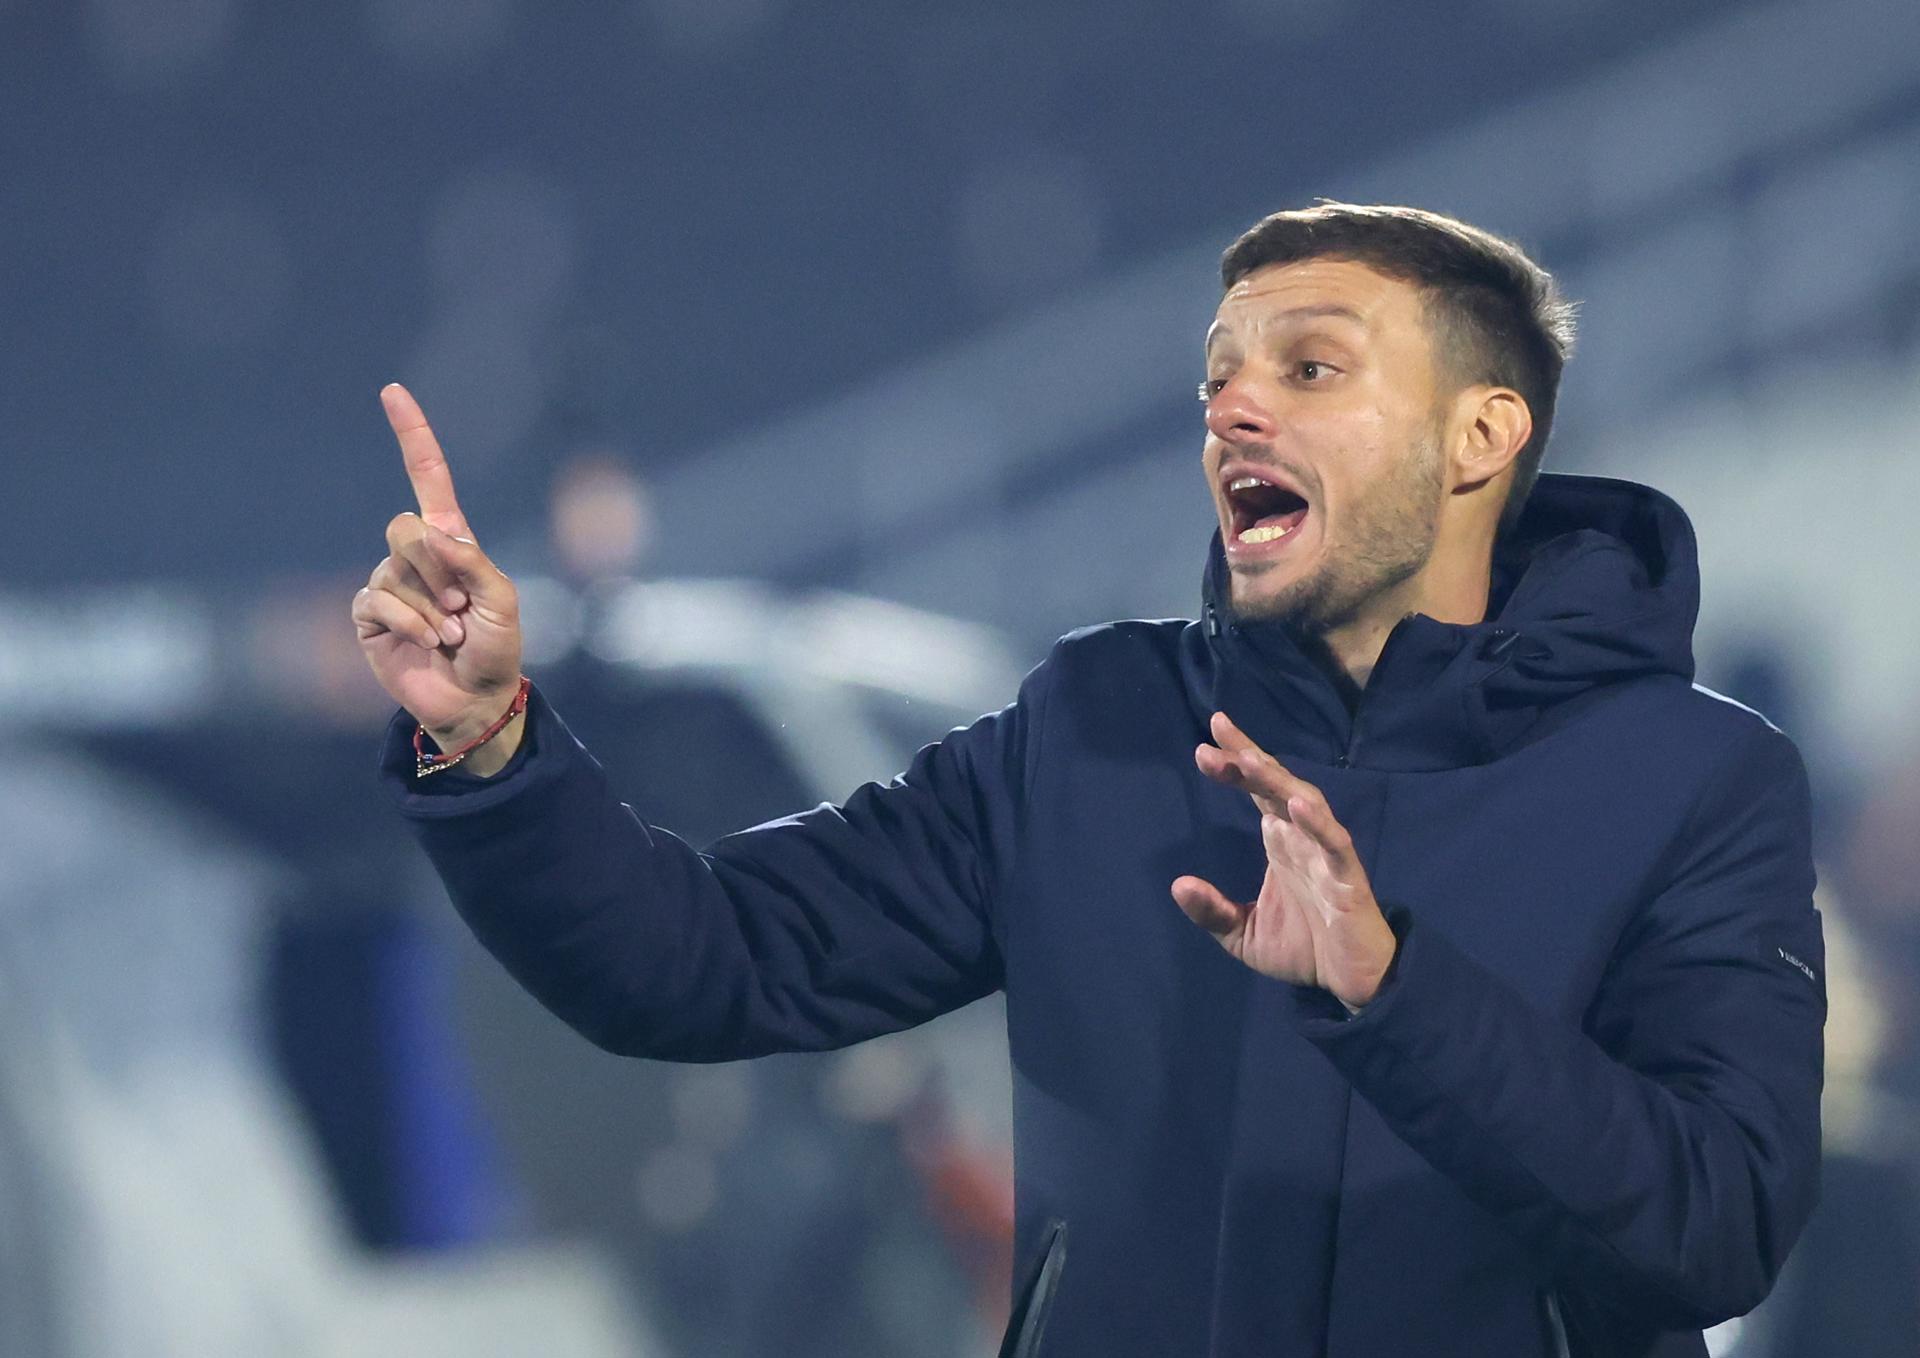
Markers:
1323,309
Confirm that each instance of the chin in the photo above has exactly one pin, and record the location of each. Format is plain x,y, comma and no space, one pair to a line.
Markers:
1309,594
1267,594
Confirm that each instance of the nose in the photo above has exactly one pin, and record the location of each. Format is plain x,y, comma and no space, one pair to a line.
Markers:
1236,414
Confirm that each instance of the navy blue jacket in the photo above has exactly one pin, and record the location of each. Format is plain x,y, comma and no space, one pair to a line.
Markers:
1583,1114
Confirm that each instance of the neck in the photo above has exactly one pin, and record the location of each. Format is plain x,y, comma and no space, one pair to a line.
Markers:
1451,587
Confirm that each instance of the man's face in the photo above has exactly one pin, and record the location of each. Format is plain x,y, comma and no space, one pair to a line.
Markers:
1323,441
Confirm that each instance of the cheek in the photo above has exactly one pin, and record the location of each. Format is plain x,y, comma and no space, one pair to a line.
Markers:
1355,465
1371,455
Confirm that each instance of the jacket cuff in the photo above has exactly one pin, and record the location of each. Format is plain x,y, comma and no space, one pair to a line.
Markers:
1318,1013
456,792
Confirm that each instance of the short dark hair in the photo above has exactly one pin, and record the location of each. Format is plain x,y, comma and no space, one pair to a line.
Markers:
1497,317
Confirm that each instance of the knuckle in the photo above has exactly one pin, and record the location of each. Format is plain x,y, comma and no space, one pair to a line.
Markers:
402,527
403,584
423,568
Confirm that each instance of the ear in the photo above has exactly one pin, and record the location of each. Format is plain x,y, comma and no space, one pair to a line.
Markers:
1493,425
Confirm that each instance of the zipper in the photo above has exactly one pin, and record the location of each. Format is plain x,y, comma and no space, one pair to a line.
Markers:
1028,1323
1344,760
1557,1327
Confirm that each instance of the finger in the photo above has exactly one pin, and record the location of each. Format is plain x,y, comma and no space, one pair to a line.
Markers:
1205,904
1263,774
1285,842
409,538
1224,769
1274,837
399,579
1240,748
484,583
1229,734
376,611
426,465
1317,821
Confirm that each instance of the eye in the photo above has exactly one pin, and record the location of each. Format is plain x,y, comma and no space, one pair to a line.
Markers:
1312,370
1209,389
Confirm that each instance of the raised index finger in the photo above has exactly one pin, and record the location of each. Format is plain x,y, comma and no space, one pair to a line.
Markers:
426,465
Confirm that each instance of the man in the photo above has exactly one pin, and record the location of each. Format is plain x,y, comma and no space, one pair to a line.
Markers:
1511,1042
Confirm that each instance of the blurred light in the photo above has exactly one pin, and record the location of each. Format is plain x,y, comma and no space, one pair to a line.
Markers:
874,1081
710,1104
123,656
501,239
1028,222
703,27
745,629
438,32
852,639
143,44
1857,1015
693,623
676,1187
219,273
552,618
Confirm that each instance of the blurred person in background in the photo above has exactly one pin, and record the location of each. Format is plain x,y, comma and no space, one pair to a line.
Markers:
1849,1288
1512,1042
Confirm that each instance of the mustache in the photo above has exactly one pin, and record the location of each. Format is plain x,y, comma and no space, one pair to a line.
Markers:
1263,455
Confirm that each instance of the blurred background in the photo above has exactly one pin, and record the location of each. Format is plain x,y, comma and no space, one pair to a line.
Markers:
812,367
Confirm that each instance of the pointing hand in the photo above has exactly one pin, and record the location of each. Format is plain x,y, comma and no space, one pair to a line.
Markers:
438,622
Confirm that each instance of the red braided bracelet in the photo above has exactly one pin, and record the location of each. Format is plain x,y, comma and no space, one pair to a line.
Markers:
425,763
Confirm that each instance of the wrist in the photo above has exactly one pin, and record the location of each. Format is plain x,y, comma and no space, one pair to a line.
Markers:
472,723
485,752
488,759
1359,996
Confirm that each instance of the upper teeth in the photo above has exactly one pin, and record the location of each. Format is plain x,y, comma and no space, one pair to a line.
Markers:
1248,483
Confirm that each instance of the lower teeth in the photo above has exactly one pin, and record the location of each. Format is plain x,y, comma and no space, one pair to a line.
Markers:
1266,534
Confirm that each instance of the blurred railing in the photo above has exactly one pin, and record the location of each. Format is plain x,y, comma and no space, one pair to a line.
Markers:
1722,207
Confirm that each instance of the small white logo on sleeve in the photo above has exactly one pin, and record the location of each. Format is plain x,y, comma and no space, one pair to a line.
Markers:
1797,965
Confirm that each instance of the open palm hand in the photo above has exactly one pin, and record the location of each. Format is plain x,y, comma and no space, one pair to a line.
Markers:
1315,921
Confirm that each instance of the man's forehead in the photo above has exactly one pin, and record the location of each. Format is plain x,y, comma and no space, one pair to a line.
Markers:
1338,289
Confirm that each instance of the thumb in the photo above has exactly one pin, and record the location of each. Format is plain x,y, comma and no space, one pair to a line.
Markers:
484,582
1207,906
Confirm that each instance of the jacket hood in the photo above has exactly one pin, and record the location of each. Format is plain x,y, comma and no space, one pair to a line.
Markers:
1597,584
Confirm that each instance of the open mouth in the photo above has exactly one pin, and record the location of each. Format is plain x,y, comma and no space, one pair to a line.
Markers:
1263,510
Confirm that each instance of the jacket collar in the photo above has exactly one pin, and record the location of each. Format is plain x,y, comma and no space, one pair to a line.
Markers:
1596,585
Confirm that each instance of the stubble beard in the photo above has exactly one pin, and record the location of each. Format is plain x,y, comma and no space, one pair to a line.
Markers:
1388,539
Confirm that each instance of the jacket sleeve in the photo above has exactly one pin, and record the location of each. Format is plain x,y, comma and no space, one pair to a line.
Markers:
809,932
1663,1156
